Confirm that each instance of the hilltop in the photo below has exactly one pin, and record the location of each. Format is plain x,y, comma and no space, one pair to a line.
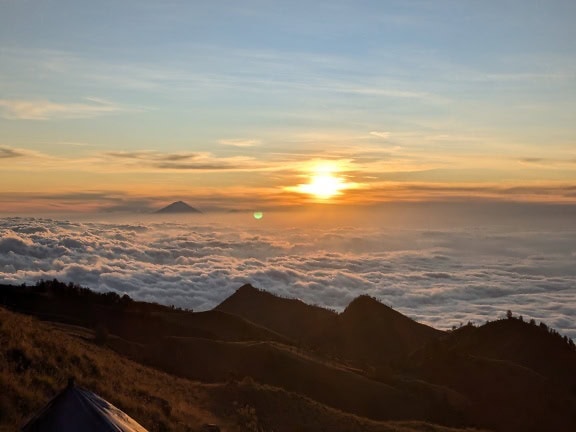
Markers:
369,367
178,207
366,332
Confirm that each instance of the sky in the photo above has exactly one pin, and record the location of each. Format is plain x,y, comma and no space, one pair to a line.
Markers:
129,105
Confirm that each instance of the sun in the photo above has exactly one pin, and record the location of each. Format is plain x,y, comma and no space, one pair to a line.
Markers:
324,182
323,186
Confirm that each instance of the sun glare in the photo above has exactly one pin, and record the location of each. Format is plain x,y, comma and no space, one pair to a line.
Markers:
324,182
323,186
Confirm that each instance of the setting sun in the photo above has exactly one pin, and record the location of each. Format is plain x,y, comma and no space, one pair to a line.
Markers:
324,181
323,186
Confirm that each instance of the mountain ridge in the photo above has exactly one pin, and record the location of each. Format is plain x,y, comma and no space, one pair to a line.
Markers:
366,331
368,361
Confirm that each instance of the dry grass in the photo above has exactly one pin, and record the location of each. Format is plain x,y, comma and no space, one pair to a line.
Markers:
264,408
36,359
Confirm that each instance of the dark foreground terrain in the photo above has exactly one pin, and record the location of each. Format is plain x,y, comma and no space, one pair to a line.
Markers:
258,362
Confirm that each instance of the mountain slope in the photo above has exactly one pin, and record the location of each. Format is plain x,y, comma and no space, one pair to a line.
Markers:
302,323
518,377
369,360
369,332
533,346
138,321
36,360
366,333
287,368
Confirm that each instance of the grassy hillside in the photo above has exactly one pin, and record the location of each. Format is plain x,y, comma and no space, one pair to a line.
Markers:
518,376
280,366
36,359
532,345
264,408
367,362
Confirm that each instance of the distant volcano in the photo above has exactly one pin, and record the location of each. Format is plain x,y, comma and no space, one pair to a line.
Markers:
178,207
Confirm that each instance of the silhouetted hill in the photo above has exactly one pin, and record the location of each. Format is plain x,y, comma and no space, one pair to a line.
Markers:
367,332
531,345
133,320
369,361
518,376
370,332
36,359
501,368
178,207
293,318
294,370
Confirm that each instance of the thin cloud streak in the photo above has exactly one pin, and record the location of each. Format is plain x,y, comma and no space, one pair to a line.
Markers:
183,161
38,109
9,153
239,142
381,134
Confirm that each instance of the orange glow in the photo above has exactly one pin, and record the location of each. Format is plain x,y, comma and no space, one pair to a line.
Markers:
324,182
323,186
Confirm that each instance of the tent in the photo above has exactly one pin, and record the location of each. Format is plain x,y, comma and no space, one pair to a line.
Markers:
77,409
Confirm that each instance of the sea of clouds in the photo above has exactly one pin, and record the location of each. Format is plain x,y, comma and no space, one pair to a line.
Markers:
442,276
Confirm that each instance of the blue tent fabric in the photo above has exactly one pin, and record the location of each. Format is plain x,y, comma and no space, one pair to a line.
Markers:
77,409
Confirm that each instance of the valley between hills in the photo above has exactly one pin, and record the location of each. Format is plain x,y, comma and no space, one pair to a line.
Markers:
262,363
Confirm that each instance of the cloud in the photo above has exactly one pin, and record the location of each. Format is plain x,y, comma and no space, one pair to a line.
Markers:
532,160
382,134
240,142
153,156
400,186
45,110
548,162
93,201
199,166
9,152
183,161
439,275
